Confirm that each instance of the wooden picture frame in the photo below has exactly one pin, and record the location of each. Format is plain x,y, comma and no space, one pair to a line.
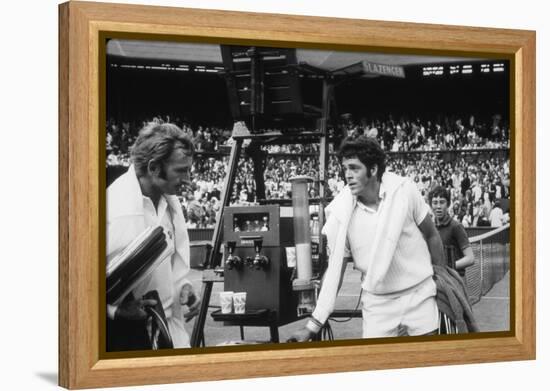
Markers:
80,232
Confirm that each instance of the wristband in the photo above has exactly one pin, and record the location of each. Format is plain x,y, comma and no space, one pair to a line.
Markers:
314,325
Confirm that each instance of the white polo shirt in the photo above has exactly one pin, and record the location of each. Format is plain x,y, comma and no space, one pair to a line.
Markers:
411,262
362,225
161,279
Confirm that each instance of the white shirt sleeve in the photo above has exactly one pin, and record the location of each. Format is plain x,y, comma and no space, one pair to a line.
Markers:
418,207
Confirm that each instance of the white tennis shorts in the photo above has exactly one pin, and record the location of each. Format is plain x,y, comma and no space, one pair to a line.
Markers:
412,313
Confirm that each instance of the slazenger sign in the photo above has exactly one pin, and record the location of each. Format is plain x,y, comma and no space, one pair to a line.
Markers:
385,70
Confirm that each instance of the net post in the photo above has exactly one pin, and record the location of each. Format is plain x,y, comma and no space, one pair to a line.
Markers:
481,261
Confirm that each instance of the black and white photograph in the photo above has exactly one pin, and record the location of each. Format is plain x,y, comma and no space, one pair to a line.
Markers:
275,195
269,195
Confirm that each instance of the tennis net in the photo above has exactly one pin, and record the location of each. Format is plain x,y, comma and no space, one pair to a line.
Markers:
492,262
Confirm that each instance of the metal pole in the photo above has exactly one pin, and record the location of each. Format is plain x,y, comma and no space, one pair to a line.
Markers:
256,87
197,334
323,164
480,269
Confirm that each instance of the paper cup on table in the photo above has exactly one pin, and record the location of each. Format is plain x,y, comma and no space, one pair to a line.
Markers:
239,302
226,302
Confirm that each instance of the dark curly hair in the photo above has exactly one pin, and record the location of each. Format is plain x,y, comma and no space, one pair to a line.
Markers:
440,191
367,150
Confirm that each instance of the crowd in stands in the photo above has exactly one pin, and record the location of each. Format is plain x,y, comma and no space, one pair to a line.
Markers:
477,186
449,133
121,135
394,135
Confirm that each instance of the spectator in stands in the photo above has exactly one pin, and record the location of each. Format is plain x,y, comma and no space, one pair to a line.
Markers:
208,143
496,217
483,220
476,213
492,190
467,220
476,190
486,206
194,209
465,183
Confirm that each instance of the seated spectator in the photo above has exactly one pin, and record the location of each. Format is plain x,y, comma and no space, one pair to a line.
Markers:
496,217
195,211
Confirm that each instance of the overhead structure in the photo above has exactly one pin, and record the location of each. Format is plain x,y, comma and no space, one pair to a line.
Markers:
261,82
209,55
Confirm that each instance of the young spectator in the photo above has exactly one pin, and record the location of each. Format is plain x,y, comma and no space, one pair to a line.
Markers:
455,240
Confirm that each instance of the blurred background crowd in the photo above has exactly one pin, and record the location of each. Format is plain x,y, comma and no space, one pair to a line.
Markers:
469,157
